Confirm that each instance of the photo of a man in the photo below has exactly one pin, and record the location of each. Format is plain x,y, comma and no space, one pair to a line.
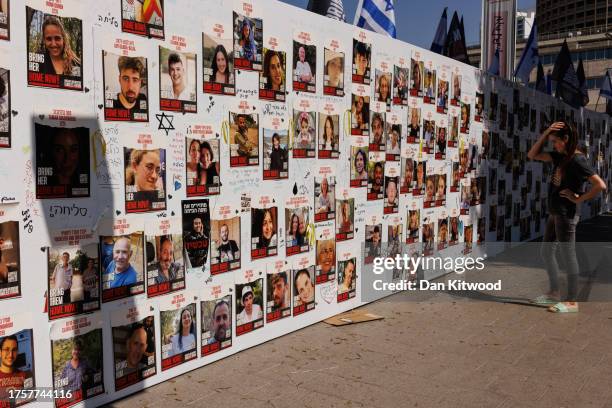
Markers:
244,140
222,322
249,306
279,296
177,80
227,248
165,269
304,67
216,324
126,96
15,372
122,262
196,232
77,364
61,279
361,62
132,360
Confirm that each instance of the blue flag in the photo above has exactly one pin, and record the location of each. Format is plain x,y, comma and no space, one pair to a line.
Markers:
529,58
439,40
494,67
378,16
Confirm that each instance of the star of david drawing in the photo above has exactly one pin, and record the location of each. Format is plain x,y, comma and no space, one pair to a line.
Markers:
165,122
389,5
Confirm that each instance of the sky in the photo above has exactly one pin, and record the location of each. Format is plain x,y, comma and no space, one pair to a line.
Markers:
417,25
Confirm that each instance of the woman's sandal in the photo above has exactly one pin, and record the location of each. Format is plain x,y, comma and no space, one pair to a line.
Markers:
564,307
544,300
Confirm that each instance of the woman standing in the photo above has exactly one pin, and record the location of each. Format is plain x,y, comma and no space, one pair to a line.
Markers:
565,190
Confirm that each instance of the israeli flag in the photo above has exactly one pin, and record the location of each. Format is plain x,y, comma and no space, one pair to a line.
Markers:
606,87
494,67
377,16
529,58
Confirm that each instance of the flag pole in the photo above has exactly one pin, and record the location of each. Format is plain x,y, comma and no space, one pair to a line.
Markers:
358,12
597,103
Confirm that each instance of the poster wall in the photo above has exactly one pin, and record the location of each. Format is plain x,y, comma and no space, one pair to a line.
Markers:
178,188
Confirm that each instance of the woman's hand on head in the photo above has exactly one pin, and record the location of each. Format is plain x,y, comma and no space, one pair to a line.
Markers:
555,127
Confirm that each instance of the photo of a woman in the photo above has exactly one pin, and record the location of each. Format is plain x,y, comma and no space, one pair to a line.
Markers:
60,59
360,164
193,161
184,339
208,172
347,277
565,192
144,170
360,115
221,66
294,238
267,230
248,48
274,70
383,87
328,137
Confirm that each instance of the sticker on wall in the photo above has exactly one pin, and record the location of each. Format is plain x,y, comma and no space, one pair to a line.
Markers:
5,106
275,147
122,261
225,235
10,262
54,63
216,312
249,301
264,227
248,36
303,277
329,131
325,193
359,161
17,343
401,75
203,163
218,59
244,135
77,341
333,67
297,221
325,252
73,274
278,297
133,333
273,77
178,329
178,75
125,73
304,128
345,215
347,276
143,18
304,62
196,233
362,57
164,255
